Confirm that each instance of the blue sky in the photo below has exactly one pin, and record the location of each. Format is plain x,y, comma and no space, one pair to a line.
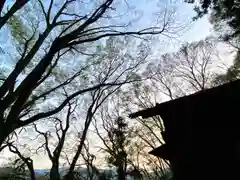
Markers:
193,31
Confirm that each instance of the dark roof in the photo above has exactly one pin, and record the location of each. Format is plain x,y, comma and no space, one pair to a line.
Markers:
162,151
201,130
229,90
211,111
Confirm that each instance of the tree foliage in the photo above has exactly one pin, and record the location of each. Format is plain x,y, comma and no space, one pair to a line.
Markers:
115,143
232,74
222,11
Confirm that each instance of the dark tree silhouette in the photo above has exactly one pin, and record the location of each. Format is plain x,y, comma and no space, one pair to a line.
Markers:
61,135
68,31
115,143
26,160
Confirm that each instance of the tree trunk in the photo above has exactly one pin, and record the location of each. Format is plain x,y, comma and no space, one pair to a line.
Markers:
54,172
2,138
29,163
121,173
69,175
10,81
25,89
4,132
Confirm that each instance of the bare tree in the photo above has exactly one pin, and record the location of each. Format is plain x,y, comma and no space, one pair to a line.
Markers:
147,135
92,172
89,158
62,32
27,160
22,161
190,69
113,67
114,140
130,157
61,132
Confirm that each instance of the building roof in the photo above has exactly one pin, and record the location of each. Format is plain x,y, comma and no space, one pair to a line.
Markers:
162,151
217,97
207,116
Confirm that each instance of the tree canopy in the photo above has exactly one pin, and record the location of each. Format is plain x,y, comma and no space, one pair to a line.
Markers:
222,11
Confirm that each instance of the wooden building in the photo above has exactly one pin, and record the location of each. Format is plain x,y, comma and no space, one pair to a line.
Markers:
202,133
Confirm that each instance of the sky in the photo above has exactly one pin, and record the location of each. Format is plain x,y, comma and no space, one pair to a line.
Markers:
197,31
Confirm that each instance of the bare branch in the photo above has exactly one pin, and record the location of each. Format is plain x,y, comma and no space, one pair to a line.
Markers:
62,105
60,11
15,7
46,144
44,12
75,42
27,160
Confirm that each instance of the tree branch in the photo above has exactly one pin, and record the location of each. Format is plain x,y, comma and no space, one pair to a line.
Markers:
46,144
62,105
15,7
28,161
